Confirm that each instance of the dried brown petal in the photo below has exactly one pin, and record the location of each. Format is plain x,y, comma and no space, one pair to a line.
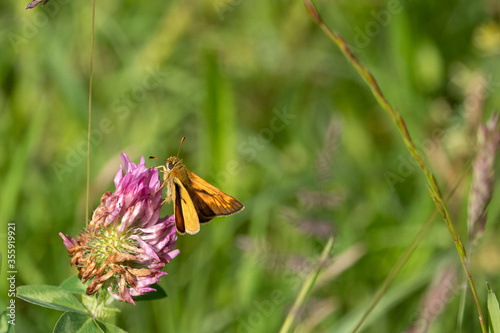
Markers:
121,257
140,271
118,269
93,287
131,279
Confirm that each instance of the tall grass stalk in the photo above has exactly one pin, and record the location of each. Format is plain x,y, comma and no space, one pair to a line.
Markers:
432,185
91,72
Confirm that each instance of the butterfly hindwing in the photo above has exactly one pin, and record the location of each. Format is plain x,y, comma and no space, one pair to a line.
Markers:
186,217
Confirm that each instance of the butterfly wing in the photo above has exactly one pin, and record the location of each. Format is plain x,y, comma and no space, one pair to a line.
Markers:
186,217
209,201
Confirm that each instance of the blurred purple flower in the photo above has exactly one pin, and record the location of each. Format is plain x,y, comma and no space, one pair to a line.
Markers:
127,244
438,296
483,178
33,4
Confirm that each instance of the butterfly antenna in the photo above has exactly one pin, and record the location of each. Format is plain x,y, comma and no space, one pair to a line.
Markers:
182,140
156,158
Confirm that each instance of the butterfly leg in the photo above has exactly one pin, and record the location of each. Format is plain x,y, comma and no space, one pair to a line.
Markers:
166,199
164,170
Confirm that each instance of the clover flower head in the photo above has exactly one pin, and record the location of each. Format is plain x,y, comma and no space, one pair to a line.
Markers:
127,244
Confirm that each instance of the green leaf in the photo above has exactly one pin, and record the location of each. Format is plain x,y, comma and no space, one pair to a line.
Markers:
5,327
74,285
81,323
109,328
50,297
75,322
493,311
158,294
90,327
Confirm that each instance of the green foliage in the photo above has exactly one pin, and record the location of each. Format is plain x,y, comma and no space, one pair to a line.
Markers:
273,115
77,322
51,297
76,317
74,285
493,311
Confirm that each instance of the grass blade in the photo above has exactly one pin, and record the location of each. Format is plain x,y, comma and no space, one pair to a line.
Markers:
493,311
306,287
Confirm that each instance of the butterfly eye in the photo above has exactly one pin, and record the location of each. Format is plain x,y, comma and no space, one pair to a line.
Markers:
170,165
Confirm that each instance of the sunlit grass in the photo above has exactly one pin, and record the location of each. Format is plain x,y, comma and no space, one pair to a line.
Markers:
164,70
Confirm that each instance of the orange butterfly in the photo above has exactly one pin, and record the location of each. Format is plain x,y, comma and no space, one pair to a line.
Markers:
195,200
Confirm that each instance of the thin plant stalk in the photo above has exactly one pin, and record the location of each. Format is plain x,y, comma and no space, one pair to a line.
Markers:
87,201
405,256
306,288
432,185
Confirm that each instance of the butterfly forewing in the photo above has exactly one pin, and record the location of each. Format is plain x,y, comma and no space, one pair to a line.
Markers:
210,201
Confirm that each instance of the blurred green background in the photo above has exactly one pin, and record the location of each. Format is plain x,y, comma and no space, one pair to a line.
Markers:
273,115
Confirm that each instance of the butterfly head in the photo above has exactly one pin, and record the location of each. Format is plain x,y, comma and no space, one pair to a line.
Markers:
172,162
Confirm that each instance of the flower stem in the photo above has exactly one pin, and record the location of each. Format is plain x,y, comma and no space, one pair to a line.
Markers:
99,305
432,185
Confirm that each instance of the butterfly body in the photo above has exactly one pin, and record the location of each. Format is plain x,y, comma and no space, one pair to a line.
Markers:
195,200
